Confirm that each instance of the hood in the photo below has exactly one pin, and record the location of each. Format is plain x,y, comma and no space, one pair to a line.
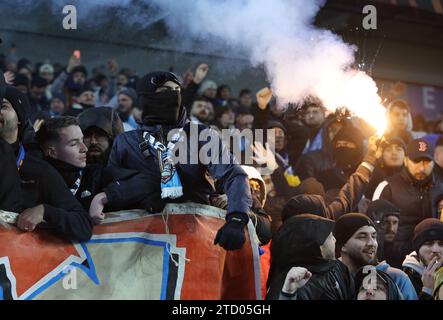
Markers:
393,291
254,174
104,118
411,261
305,203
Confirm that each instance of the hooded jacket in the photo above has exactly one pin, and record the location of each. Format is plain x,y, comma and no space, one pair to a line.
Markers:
414,269
297,244
393,293
197,185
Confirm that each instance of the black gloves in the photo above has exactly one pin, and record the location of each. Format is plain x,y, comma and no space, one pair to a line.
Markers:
232,235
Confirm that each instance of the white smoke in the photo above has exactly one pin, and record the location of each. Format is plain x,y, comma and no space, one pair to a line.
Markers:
299,58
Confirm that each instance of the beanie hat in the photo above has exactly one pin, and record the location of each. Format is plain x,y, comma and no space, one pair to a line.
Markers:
154,80
207,84
46,68
276,124
384,206
20,103
428,230
304,203
130,93
312,186
348,224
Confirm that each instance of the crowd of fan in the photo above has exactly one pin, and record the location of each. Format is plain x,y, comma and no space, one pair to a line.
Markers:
335,200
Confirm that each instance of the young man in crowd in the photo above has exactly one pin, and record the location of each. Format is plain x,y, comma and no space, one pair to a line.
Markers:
62,141
412,191
46,198
392,162
386,218
202,111
357,246
422,264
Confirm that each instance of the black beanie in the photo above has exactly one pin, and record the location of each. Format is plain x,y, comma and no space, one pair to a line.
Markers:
2,86
430,229
305,203
382,205
348,224
20,103
154,80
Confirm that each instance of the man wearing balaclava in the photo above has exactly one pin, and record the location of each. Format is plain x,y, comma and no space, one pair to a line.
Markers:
333,167
10,180
149,150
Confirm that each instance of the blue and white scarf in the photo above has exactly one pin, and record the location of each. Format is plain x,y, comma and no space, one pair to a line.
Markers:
171,185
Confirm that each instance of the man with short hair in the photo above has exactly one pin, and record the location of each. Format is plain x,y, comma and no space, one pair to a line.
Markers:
400,120
357,245
37,99
245,98
202,111
45,196
422,264
412,191
62,142
386,218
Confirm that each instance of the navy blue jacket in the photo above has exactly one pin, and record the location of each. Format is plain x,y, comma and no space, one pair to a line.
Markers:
197,179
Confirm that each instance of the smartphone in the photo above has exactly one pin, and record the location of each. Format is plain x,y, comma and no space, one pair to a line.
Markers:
76,54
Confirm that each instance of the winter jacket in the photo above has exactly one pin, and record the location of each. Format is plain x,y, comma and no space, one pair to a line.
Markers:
415,204
10,191
117,184
401,279
380,175
197,179
414,269
330,281
42,184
